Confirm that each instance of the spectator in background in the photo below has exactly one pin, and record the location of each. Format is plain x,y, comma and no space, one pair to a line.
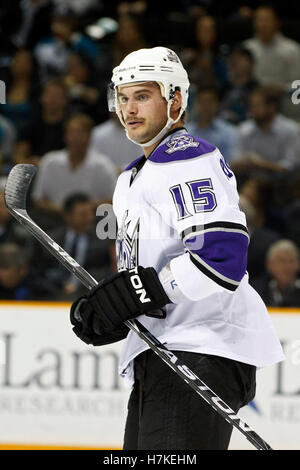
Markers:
35,22
204,63
21,90
268,141
234,105
129,37
109,138
22,153
87,92
277,58
52,53
270,195
260,239
74,169
16,283
77,235
137,7
23,23
209,126
48,131
293,210
281,286
257,189
47,134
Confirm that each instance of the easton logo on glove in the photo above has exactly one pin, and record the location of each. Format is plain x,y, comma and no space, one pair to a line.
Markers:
123,296
138,286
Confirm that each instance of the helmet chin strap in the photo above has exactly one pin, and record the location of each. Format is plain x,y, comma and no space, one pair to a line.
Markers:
158,136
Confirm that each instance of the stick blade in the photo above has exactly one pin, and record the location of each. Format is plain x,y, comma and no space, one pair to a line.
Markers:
17,186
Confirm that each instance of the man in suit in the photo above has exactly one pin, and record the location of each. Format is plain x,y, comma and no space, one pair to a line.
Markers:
77,235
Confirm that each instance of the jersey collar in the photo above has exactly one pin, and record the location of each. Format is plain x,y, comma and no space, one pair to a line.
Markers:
140,162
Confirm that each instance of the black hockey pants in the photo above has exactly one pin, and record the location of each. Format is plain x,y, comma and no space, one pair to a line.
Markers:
165,413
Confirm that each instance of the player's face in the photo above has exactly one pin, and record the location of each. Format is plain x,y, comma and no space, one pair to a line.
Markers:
144,110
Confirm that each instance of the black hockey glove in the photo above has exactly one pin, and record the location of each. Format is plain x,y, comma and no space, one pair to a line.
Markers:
120,297
81,317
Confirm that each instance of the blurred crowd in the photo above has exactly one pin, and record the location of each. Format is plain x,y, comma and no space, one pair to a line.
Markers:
56,58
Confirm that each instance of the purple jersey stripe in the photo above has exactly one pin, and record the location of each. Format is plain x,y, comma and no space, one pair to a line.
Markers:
225,252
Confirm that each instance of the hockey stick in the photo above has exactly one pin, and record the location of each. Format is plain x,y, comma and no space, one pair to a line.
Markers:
16,191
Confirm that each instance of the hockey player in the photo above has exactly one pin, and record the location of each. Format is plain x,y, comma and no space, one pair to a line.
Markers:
182,254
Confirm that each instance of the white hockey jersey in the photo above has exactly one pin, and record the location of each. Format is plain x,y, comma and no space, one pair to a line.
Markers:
180,208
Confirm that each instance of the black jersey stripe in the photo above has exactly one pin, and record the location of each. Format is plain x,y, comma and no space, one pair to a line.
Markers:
218,225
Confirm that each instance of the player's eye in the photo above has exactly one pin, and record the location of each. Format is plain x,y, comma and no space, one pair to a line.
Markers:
122,99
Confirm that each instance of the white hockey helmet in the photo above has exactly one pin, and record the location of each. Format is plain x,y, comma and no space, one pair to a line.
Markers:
159,64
